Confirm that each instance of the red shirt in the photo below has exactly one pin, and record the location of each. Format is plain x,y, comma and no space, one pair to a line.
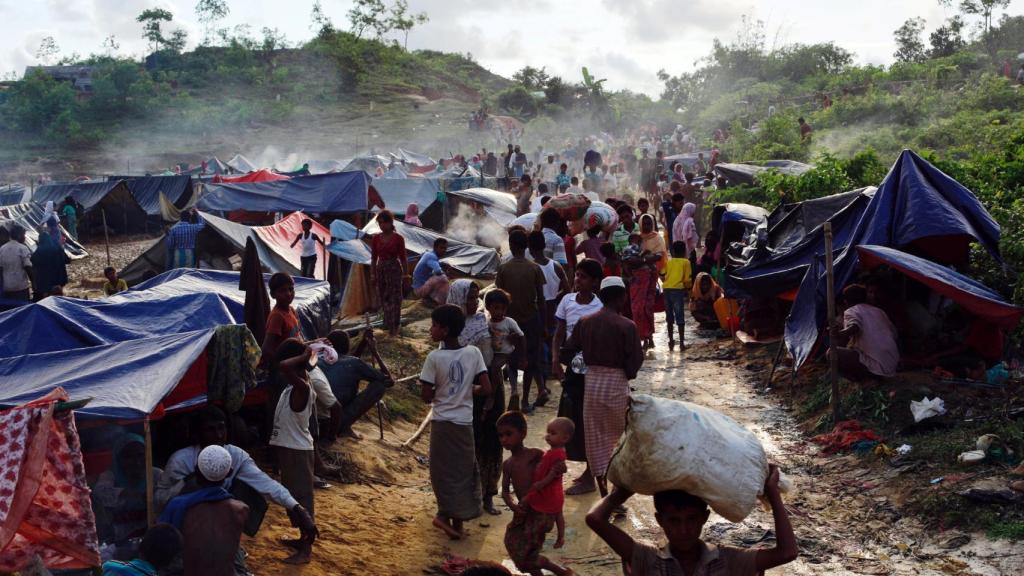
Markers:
550,499
392,248
284,324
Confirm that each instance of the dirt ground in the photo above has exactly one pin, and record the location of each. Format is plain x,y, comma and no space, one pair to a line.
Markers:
846,521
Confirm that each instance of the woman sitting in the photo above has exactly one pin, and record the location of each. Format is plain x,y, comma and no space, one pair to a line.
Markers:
702,300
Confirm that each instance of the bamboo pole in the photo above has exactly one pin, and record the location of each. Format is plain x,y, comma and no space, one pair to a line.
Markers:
106,235
150,511
833,352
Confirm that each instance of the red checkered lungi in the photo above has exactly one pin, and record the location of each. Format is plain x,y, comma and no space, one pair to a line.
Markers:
604,414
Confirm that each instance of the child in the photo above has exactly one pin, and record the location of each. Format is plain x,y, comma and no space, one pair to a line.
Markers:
451,376
113,285
546,494
591,247
611,266
309,241
159,548
291,437
283,322
682,517
505,337
676,280
556,285
524,536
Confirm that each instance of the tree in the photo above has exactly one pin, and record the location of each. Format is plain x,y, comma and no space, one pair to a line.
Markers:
151,30
367,14
176,42
404,22
532,78
209,12
48,50
909,47
984,8
111,45
947,39
319,20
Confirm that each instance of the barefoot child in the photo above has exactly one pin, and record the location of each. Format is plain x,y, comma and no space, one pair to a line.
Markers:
450,378
546,495
505,337
676,280
524,536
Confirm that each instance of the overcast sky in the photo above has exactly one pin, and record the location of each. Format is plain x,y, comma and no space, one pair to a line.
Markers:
625,41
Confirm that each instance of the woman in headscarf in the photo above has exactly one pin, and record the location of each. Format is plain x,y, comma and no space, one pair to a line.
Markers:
688,231
573,307
466,295
389,270
412,215
119,496
702,299
644,279
49,265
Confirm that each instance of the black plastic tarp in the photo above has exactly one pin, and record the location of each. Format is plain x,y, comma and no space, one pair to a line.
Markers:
738,174
123,213
147,190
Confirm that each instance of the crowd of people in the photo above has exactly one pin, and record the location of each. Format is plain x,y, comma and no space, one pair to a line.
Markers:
31,275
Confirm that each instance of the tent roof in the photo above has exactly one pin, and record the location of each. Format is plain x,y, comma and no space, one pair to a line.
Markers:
262,175
242,164
12,194
918,208
745,173
368,164
470,259
30,217
88,193
325,166
147,190
109,374
499,205
414,158
398,193
324,193
972,295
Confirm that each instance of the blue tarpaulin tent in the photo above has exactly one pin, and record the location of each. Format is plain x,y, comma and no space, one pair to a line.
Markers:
30,217
125,380
971,295
147,190
341,192
917,209
12,194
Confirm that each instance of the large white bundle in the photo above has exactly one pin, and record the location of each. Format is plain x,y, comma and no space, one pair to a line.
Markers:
674,445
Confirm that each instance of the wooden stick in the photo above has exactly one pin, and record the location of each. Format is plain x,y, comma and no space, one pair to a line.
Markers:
775,363
419,431
833,352
106,235
150,512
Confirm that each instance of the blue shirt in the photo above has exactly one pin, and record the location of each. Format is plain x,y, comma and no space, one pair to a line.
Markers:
563,180
182,236
428,266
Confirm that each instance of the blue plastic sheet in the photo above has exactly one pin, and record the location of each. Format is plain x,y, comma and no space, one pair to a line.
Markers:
337,193
916,206
147,190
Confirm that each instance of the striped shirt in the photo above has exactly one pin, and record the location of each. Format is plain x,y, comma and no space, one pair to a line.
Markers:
182,236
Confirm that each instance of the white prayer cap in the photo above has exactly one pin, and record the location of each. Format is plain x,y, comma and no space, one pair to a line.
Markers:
214,463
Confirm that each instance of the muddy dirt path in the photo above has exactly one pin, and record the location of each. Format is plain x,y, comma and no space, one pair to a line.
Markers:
844,525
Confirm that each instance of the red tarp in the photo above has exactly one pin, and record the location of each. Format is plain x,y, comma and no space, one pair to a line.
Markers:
281,235
45,509
263,175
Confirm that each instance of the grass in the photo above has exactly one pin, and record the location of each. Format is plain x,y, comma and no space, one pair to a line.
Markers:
942,446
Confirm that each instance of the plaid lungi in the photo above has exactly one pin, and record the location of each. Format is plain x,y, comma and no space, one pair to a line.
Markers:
604,414
524,538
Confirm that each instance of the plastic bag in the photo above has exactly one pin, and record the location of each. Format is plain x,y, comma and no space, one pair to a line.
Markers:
673,445
926,408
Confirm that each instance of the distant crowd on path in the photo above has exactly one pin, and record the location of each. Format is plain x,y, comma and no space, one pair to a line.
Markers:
27,275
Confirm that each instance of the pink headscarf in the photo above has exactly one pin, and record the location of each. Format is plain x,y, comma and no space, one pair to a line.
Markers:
690,228
412,215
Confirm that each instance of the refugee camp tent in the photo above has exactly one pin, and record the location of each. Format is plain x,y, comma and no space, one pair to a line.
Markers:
149,336
325,166
917,209
114,198
147,190
213,166
971,295
221,241
395,172
241,164
398,194
414,159
13,194
469,259
501,206
368,164
30,217
263,175
343,192
796,239
740,174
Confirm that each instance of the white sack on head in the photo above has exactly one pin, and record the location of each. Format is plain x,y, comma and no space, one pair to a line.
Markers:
674,445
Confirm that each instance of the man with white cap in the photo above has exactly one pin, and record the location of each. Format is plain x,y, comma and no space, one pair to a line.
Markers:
209,429
210,518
